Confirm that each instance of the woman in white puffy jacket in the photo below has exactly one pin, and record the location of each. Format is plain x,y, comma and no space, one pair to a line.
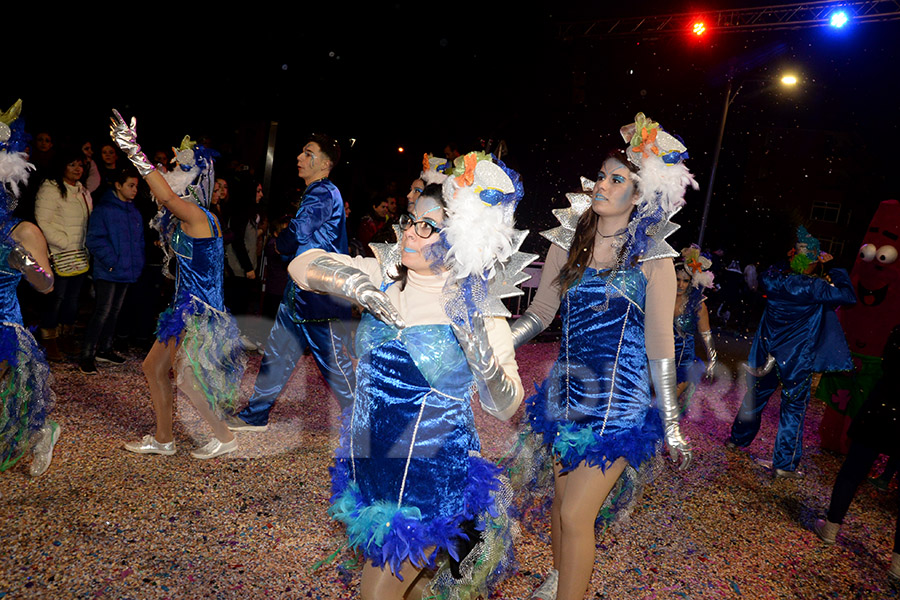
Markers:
62,209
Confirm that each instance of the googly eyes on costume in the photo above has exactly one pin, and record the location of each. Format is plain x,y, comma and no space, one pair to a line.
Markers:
886,255
867,252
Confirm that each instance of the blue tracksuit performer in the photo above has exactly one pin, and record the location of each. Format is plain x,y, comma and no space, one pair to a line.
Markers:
305,318
798,335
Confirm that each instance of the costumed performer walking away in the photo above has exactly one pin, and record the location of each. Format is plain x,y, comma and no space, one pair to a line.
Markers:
874,431
692,317
611,273
798,335
409,481
24,373
194,335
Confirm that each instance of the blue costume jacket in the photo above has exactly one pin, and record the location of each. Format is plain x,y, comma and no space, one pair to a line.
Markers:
799,327
319,223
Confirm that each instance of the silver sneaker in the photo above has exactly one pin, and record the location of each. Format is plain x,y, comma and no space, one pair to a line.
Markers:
238,424
215,448
547,590
43,450
149,445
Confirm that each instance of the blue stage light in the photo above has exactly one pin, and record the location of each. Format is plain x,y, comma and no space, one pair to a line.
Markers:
839,19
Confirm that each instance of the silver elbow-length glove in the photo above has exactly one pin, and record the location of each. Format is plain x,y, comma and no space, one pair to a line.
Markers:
496,390
330,276
711,356
662,373
526,328
125,137
22,260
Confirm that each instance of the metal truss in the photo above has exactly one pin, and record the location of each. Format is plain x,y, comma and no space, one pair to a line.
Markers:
764,18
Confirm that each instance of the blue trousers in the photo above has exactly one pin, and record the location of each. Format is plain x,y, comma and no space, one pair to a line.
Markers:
286,344
794,400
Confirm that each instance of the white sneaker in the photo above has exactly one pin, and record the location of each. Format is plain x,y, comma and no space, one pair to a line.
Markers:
547,590
235,423
43,450
214,448
149,445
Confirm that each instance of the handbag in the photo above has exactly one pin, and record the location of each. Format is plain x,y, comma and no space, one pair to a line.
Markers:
69,263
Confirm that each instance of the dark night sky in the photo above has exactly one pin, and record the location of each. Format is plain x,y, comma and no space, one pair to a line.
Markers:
418,75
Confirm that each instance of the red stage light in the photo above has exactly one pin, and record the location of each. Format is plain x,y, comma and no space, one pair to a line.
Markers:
698,28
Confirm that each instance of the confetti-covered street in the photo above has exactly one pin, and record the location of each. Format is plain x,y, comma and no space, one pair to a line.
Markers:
103,523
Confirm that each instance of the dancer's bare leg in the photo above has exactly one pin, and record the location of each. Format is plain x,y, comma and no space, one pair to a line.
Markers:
191,388
157,366
585,492
559,491
381,584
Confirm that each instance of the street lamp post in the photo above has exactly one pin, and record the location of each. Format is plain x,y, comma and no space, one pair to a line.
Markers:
788,80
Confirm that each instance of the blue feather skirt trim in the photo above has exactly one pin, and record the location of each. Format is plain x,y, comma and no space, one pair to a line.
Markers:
388,535
209,348
544,442
572,443
24,391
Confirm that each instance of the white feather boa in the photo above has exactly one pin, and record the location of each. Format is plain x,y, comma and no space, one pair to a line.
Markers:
179,180
663,184
478,234
14,170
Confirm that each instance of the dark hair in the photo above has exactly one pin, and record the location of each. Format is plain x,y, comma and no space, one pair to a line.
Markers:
61,160
435,192
582,248
125,174
328,145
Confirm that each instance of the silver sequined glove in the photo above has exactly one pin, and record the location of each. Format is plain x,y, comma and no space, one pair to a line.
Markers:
21,260
496,390
711,356
125,137
662,373
333,277
526,328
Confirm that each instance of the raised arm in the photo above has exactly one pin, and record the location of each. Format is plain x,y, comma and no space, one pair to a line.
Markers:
194,220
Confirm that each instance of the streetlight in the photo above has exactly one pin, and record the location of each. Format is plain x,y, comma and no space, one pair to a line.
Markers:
788,80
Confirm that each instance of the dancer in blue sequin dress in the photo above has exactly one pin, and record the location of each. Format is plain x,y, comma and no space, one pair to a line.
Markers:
409,482
692,320
25,394
610,274
195,335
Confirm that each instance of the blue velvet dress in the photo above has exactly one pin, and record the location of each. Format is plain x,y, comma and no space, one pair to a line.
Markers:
208,336
408,479
25,382
595,406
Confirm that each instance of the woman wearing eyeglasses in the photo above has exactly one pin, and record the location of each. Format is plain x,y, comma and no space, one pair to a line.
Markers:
409,482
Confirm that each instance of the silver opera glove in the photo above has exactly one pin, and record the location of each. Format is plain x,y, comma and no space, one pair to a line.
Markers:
496,390
526,328
330,276
662,373
711,356
125,137
21,260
